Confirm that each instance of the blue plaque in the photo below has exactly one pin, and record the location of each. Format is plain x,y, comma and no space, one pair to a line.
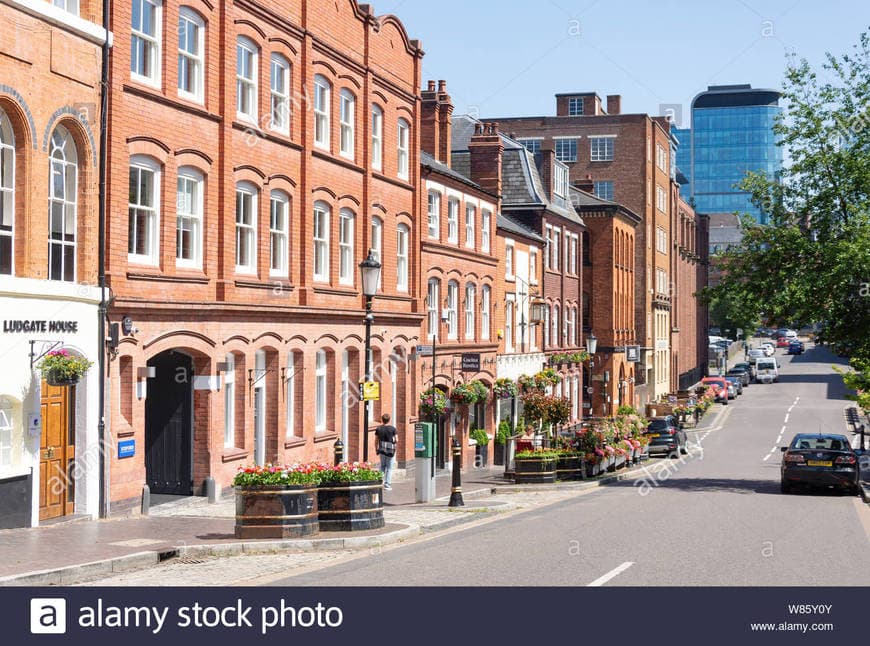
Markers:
126,449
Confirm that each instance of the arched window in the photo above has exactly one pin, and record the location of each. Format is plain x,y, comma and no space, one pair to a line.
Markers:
452,298
62,205
555,320
484,312
247,72
320,391
433,300
145,41
403,233
189,213
246,228
376,244
346,266
470,304
402,148
7,196
509,326
191,51
322,111
377,137
230,401
347,117
279,94
143,208
279,233
321,241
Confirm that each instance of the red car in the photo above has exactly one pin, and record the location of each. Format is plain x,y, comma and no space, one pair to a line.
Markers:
782,342
720,387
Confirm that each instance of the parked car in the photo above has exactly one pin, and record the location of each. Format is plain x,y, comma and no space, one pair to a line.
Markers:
741,373
732,389
766,370
782,342
666,436
769,348
755,354
736,382
748,367
819,460
720,387
795,347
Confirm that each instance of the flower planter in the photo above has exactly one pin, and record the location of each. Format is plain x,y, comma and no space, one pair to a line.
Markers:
54,378
592,469
350,506
276,512
534,470
498,455
481,455
568,467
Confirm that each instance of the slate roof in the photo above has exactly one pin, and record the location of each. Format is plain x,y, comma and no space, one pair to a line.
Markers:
507,223
428,160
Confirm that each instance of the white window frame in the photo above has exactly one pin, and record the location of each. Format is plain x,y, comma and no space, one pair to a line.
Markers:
572,265
434,214
509,259
533,265
453,220
320,391
229,385
661,240
377,137
70,6
573,109
554,255
246,231
279,94
433,296
509,307
290,430
566,149
485,305
67,163
661,199
195,60
470,304
247,87
150,41
151,256
403,244
555,321
347,119
485,224
322,111
545,325
601,148
604,190
376,245
320,241
548,247
532,144
452,304
403,132
470,217
7,187
346,265
560,180
566,314
279,234
189,217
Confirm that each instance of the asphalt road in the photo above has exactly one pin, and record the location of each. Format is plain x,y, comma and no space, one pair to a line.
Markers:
713,518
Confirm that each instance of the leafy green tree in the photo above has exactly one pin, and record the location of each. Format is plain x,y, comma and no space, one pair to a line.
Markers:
811,264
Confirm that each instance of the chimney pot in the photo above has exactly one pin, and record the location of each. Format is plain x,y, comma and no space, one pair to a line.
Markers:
431,86
442,86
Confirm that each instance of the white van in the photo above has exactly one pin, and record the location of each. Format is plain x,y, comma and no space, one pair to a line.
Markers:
766,370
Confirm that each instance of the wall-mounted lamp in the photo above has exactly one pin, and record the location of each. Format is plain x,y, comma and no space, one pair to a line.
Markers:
127,326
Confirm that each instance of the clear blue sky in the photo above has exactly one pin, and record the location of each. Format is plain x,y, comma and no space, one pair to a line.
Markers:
510,58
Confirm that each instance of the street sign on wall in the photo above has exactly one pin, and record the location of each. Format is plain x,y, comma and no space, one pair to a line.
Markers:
632,353
425,350
471,362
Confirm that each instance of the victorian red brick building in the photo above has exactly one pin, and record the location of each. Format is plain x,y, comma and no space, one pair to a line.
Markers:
259,151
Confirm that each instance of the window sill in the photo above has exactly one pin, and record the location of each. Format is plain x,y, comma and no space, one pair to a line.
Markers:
231,455
255,284
294,443
325,436
194,280
335,291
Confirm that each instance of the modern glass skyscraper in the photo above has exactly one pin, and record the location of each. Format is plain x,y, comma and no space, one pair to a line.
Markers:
731,134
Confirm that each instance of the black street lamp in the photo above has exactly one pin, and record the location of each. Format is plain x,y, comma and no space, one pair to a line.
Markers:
370,271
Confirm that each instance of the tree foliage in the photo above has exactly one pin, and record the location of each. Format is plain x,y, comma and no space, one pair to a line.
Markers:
811,263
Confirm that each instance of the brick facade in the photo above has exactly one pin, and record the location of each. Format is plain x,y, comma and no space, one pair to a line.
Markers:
267,296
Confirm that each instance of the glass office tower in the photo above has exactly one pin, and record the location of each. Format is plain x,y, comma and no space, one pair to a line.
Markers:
732,133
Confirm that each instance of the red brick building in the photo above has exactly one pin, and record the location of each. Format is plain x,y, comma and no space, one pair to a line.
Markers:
534,190
608,299
259,151
50,74
628,158
459,277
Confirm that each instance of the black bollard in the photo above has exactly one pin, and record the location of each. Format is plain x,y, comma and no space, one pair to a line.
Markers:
338,450
456,489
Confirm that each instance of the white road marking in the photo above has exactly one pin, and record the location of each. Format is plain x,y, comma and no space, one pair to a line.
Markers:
614,572
785,421
782,431
767,457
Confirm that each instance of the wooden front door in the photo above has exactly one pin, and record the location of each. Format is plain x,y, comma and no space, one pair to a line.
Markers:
57,452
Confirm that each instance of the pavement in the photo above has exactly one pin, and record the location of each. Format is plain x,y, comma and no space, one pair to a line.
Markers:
65,553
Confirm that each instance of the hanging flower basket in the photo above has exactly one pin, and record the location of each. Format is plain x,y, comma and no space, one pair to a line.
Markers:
464,394
504,389
60,368
432,402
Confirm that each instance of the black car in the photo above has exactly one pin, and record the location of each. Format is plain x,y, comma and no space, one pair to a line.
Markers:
666,436
822,460
737,381
795,347
742,373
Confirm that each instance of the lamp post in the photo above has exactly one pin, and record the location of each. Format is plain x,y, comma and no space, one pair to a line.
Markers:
536,315
370,272
591,347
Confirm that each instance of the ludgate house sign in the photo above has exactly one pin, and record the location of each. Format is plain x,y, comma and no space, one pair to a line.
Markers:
12,326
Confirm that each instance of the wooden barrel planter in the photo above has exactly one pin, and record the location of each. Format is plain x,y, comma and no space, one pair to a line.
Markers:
350,506
569,467
276,512
534,470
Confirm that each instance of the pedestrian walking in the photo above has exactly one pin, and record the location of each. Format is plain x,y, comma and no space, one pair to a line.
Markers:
386,435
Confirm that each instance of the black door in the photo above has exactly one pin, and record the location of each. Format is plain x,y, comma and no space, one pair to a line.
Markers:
168,427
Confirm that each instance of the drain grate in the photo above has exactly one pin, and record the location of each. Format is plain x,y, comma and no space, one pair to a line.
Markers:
190,561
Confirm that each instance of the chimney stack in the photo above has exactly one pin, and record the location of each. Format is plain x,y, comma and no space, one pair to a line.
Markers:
585,185
445,115
487,151
436,109
614,104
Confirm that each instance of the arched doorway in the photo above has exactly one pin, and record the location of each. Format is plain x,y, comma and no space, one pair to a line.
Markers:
169,425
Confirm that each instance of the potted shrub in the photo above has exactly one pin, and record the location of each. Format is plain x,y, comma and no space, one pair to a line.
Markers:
350,497
276,501
481,449
535,467
60,368
501,437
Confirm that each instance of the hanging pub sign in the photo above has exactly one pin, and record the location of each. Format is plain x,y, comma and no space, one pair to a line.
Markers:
632,353
471,362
